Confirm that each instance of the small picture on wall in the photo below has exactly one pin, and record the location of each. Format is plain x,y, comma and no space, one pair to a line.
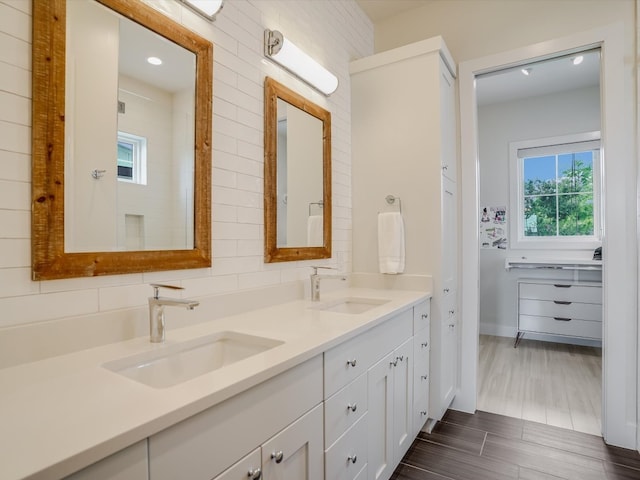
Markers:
493,227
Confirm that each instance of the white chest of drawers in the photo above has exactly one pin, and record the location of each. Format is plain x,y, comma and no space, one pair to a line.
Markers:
560,307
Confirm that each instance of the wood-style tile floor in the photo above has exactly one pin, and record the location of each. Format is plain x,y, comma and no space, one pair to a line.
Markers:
552,383
486,446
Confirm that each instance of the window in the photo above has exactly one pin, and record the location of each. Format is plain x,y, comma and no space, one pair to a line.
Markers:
557,192
132,158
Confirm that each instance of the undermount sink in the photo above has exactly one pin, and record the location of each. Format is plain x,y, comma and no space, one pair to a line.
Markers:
352,305
174,364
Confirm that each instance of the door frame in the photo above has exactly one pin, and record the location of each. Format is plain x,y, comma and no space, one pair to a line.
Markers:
619,275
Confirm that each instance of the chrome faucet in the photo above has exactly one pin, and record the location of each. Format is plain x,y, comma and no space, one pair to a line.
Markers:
156,310
315,281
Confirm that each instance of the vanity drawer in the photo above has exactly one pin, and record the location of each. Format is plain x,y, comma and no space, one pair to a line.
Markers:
344,409
421,315
562,291
564,309
344,460
347,361
572,328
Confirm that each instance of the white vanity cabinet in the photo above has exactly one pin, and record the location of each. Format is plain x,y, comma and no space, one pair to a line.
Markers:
130,463
404,143
204,445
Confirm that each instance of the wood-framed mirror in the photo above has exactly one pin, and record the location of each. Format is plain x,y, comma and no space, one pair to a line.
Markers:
297,176
102,203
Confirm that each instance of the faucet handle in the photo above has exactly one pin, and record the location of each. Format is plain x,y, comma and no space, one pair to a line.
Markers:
316,267
158,286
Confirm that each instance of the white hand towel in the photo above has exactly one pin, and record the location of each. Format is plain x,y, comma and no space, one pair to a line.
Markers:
390,242
315,226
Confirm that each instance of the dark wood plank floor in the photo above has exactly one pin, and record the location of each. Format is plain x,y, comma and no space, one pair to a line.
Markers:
486,446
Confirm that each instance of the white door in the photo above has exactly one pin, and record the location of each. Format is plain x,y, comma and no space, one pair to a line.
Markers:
380,400
403,399
246,469
296,453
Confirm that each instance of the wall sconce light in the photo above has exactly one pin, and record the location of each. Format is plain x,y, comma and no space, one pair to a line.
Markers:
206,8
282,51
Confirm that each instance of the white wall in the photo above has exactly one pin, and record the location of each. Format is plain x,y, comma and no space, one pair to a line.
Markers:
334,32
552,115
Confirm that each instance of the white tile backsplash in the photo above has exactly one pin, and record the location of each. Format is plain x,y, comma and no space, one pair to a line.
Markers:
334,31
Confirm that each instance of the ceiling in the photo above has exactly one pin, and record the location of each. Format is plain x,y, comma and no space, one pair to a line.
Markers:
378,10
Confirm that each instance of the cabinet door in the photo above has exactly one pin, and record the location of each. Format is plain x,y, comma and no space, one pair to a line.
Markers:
449,237
246,469
449,364
447,123
380,418
128,464
402,400
296,453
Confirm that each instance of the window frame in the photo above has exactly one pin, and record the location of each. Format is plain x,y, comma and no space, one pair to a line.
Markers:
516,195
139,171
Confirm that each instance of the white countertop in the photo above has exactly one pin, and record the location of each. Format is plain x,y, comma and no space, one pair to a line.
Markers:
64,413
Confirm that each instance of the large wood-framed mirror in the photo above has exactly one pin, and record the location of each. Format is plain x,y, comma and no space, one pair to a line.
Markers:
297,176
121,160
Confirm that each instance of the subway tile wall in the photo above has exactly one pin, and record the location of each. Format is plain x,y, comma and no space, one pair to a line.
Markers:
334,32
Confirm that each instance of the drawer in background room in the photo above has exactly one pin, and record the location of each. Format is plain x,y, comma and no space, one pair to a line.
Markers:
561,308
561,326
562,292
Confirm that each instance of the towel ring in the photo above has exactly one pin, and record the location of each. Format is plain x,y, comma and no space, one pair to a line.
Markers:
391,200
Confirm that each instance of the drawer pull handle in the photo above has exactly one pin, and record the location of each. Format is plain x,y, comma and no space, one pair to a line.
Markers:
424,344
400,358
562,319
277,456
353,407
561,302
559,285
255,474
425,316
352,458
451,312
423,413
446,290
351,363
394,363
424,377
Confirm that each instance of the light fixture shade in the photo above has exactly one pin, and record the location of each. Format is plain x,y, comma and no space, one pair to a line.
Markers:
207,8
299,63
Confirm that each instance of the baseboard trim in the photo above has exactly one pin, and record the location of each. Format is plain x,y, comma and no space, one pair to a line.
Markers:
508,331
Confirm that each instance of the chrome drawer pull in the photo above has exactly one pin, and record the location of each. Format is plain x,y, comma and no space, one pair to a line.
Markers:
423,377
559,285
352,458
255,474
353,407
423,413
561,302
351,363
562,319
424,345
277,456
425,316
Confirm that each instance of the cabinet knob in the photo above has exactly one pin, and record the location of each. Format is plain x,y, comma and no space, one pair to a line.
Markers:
277,456
446,290
400,358
352,458
351,363
425,316
424,344
424,377
452,311
394,363
423,413
255,474
445,167
352,406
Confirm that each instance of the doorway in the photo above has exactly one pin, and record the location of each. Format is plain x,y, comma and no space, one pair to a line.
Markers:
539,190
619,275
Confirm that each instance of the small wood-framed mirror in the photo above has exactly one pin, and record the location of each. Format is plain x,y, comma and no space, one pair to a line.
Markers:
79,227
297,176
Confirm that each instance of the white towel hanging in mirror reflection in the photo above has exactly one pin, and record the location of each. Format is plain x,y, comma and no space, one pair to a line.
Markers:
390,242
315,231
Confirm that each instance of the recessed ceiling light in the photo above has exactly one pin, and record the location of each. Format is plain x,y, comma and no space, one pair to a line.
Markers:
154,61
526,71
578,60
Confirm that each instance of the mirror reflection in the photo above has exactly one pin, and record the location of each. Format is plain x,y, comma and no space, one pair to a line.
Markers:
300,205
297,176
129,136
